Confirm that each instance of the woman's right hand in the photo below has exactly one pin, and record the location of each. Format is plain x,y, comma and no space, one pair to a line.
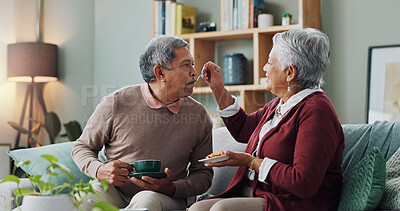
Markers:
212,75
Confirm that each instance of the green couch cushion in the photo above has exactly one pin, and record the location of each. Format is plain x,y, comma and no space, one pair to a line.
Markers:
363,188
61,151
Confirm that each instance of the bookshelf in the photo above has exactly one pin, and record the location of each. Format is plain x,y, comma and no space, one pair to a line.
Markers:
252,96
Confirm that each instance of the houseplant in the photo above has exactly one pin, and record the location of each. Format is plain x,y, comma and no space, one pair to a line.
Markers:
47,192
52,124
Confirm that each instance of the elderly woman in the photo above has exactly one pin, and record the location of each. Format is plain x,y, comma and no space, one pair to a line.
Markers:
295,142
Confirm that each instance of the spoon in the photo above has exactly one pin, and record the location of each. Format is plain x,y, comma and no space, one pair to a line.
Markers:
201,75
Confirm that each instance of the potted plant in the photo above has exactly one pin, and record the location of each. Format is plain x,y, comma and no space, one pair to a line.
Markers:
46,195
52,124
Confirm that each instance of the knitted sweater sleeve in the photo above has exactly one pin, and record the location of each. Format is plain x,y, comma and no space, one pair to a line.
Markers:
96,133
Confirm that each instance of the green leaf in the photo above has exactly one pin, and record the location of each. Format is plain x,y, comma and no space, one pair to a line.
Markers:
44,185
52,124
18,127
64,169
35,179
104,184
23,192
50,158
73,130
104,206
10,178
20,163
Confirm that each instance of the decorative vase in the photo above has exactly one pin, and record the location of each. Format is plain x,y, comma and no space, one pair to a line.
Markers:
48,203
234,69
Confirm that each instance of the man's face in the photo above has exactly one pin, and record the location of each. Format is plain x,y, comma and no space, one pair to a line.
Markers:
180,79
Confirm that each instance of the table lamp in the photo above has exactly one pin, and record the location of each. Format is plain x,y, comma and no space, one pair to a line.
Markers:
32,63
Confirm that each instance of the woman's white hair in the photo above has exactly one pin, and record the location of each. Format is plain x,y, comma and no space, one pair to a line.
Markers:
307,49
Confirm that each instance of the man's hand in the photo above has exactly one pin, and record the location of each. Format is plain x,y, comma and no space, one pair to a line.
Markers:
165,185
115,172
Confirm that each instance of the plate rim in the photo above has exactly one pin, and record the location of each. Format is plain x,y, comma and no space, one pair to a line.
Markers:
213,158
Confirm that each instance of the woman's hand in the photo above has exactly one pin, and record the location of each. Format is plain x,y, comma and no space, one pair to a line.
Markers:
235,159
212,75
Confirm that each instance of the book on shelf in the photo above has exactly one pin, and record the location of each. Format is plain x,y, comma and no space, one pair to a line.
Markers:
256,8
185,19
238,14
159,18
173,18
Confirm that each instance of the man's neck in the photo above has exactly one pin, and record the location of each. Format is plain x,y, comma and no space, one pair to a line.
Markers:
160,93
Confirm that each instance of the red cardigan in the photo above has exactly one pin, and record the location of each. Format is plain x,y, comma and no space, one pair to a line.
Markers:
308,144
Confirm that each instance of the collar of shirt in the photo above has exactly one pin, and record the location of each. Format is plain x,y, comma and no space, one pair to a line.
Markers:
155,104
293,100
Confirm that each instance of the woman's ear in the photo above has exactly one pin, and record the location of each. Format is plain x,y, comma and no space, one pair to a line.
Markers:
291,73
158,72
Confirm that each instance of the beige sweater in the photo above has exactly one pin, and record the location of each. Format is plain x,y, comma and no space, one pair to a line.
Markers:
131,130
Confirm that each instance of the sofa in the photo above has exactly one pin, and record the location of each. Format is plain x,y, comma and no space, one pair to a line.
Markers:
371,151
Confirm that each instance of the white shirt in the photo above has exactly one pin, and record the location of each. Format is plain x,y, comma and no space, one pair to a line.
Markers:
267,163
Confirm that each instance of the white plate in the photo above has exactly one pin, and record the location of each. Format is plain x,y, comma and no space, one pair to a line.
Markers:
215,159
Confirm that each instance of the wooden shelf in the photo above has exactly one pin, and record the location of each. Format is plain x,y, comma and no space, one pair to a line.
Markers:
243,34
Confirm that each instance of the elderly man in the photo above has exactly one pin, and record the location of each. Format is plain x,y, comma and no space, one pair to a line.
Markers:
153,120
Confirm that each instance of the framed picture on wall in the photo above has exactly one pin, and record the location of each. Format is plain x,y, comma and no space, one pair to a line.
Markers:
383,83
5,160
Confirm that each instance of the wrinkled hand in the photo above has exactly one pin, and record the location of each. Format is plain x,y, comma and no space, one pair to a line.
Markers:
235,159
164,185
115,172
212,75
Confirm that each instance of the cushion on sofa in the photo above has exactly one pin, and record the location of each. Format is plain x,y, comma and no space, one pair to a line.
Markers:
391,195
61,151
222,141
363,188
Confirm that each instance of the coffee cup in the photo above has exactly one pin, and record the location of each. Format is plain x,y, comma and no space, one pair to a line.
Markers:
147,166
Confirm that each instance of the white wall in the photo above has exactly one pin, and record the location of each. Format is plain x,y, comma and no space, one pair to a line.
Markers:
352,27
68,24
122,29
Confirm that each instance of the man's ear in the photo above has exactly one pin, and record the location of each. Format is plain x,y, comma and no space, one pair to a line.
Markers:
158,72
291,73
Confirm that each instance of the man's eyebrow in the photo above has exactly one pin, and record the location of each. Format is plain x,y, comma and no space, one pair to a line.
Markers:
185,61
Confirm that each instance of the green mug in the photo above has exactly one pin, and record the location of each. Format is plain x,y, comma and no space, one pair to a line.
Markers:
147,166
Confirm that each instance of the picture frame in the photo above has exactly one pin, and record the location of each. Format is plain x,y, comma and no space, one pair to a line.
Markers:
5,160
383,83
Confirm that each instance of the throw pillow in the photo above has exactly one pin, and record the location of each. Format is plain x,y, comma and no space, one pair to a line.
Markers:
363,188
61,151
393,166
391,195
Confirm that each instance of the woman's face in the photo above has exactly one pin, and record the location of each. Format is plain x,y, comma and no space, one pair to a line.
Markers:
276,82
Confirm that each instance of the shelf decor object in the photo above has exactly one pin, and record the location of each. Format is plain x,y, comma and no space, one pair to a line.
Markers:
383,83
234,69
32,63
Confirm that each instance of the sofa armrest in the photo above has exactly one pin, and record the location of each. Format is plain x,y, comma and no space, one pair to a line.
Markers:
6,192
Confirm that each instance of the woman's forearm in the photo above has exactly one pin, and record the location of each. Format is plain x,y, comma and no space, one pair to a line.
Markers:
223,97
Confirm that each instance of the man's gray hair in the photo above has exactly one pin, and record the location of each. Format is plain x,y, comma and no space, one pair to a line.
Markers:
308,50
159,51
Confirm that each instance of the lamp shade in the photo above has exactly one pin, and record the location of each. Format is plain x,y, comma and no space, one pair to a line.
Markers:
32,62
